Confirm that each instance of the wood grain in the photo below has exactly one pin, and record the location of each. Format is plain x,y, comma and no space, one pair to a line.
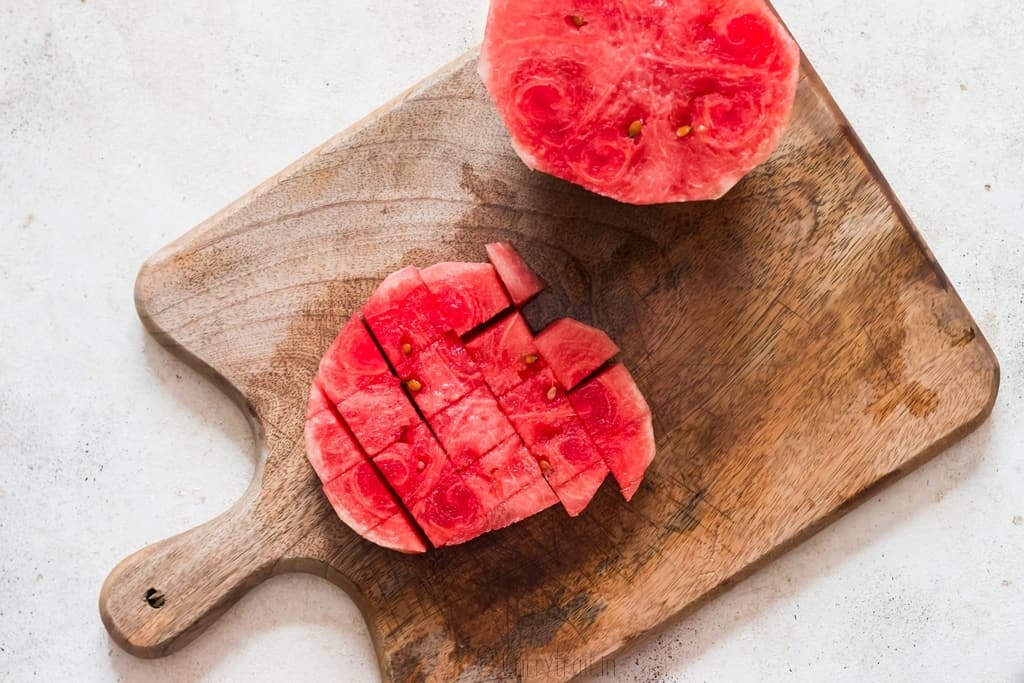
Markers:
796,340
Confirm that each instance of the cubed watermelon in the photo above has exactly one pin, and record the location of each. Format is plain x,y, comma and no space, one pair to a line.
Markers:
362,500
331,449
413,465
440,375
378,414
574,350
500,476
516,274
451,512
534,498
468,294
403,315
618,419
506,353
471,427
351,363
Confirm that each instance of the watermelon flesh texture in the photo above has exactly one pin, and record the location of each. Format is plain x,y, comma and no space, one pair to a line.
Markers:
466,462
468,294
618,419
558,440
574,350
439,375
645,102
516,274
506,353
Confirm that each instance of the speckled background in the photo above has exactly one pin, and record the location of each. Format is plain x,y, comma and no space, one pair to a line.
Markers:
123,124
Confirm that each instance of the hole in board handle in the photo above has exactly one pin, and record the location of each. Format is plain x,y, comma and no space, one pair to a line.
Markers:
155,598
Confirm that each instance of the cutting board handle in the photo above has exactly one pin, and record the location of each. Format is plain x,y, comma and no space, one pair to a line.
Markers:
160,598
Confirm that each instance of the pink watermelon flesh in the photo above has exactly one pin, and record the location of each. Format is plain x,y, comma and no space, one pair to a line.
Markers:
451,513
331,449
471,427
578,493
352,362
378,415
506,353
509,483
518,277
645,102
412,465
555,436
440,375
468,294
403,316
362,500
618,419
536,497
574,350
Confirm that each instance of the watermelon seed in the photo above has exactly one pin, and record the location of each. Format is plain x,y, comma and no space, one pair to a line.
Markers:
530,358
635,128
414,385
420,465
683,131
576,20
155,598
545,466
407,348
552,392
702,128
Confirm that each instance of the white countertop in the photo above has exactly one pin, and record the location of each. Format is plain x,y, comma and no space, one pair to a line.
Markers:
124,123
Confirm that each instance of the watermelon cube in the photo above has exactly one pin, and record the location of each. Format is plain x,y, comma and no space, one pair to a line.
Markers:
534,498
403,315
506,353
516,274
574,350
451,512
556,437
500,476
472,427
331,449
440,375
362,500
413,465
468,294
379,414
618,419
351,363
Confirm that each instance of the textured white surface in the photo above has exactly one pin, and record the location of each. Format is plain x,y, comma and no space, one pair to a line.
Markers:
123,124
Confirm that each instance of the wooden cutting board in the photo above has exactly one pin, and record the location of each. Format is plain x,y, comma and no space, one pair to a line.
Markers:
796,340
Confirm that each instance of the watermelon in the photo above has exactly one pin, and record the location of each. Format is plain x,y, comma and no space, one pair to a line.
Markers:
643,101
518,277
468,294
617,418
437,415
506,353
574,350
439,375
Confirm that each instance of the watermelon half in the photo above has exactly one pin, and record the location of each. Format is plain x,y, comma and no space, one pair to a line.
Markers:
436,415
644,101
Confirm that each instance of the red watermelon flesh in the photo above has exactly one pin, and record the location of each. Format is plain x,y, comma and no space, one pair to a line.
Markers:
471,427
378,415
643,101
362,500
330,447
469,469
353,362
618,419
574,350
439,375
468,294
516,274
403,315
555,436
506,353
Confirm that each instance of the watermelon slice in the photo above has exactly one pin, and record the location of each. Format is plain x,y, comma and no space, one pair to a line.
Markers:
555,436
642,101
506,353
378,415
404,429
362,500
468,294
471,427
331,449
352,362
618,419
403,316
574,350
518,277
